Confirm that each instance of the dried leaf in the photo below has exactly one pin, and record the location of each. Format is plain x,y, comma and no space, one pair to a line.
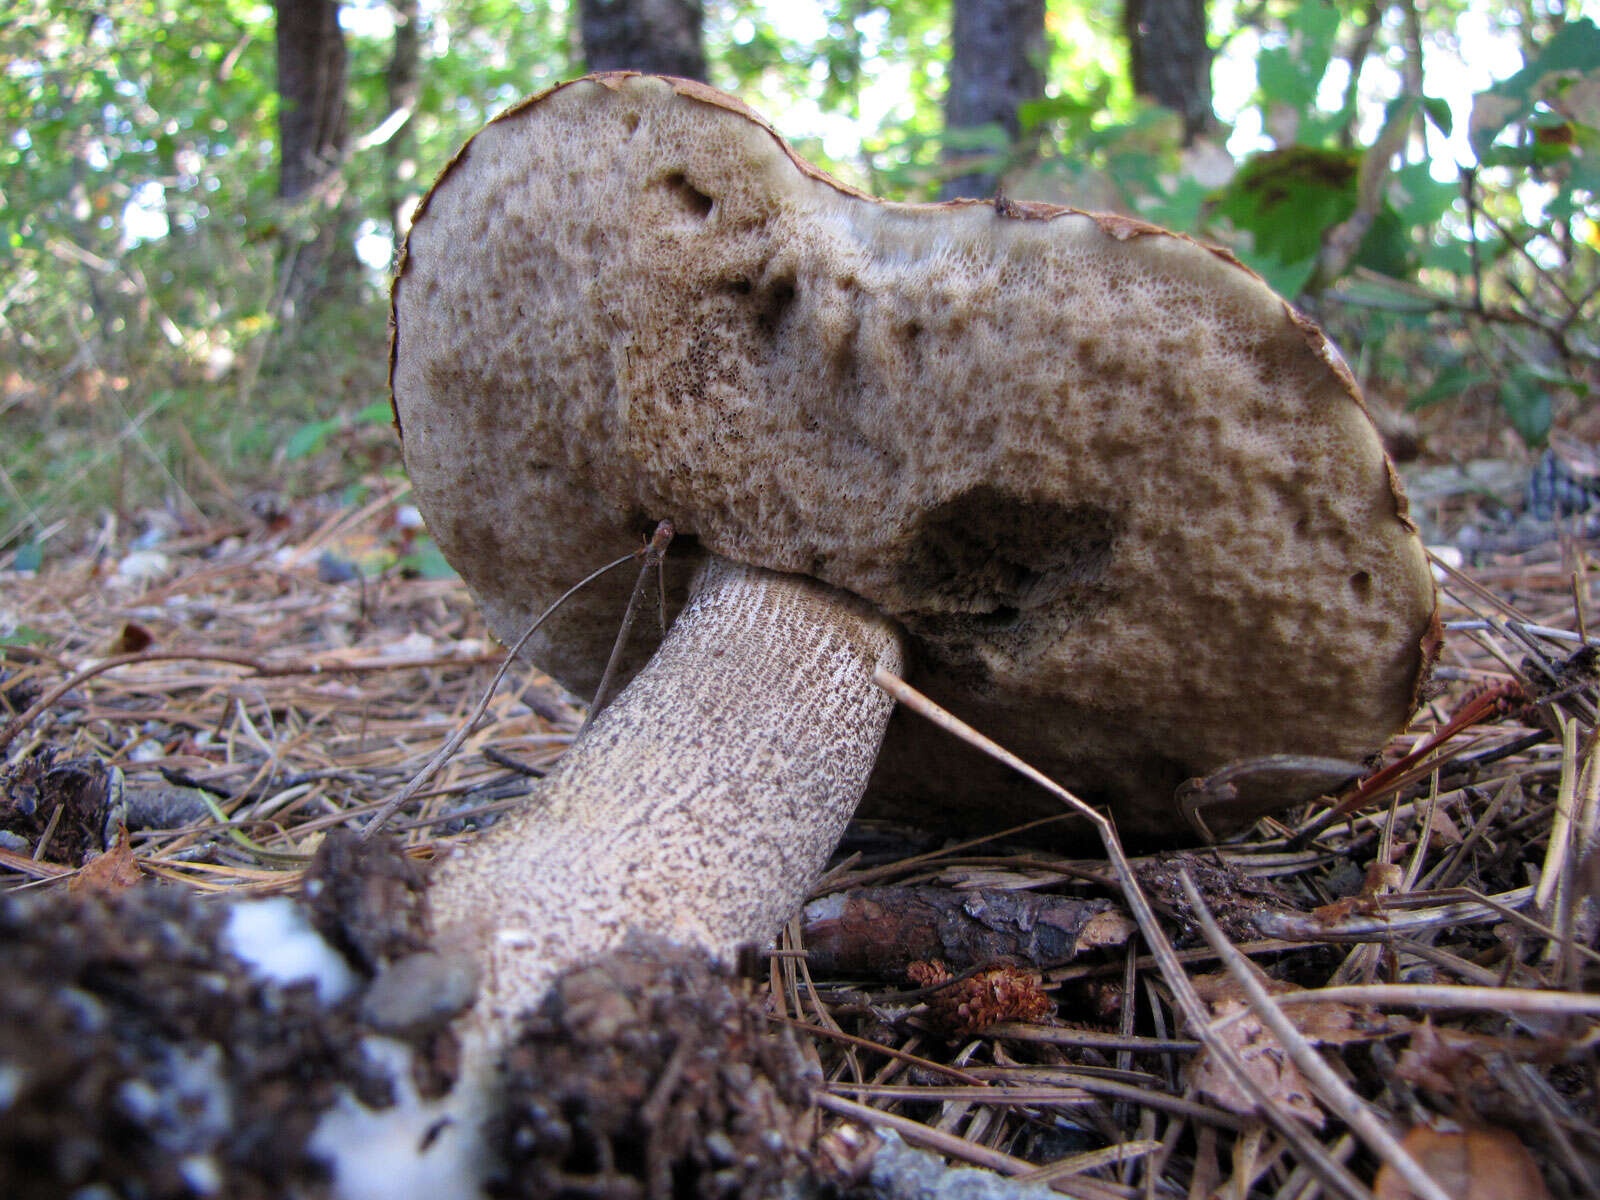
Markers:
1470,1067
1473,1164
131,639
1264,1058
1322,1024
1443,830
1263,1054
116,870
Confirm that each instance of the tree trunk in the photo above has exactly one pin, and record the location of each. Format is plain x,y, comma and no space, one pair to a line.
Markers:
319,261
661,36
402,81
997,65
1169,58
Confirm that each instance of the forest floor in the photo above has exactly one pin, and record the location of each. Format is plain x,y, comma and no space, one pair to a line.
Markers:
243,687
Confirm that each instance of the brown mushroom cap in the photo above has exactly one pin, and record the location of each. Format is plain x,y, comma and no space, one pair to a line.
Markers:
1126,501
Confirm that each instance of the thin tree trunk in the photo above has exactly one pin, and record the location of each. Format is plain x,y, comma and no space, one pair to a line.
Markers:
319,262
1169,58
402,81
661,36
997,64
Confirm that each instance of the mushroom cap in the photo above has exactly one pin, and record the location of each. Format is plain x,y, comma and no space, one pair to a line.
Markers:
1125,500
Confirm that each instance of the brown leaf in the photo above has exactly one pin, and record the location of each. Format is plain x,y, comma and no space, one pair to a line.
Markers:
1327,1023
1474,1164
114,871
1434,1060
131,639
1264,1056
1443,830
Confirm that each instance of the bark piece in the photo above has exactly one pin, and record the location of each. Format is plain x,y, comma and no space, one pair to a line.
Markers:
878,932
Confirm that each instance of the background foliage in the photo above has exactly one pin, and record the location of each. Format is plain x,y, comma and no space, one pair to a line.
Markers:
1451,234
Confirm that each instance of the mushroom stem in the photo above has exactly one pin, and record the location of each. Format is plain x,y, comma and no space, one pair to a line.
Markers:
700,806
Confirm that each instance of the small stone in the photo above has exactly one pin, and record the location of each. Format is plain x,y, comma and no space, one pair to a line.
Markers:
420,993
143,566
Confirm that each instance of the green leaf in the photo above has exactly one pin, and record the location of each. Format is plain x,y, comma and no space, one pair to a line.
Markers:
29,557
1292,74
1285,278
1387,247
427,562
379,412
1452,256
1287,200
1419,198
25,635
308,439
1574,48
1439,113
1448,385
1382,295
1526,401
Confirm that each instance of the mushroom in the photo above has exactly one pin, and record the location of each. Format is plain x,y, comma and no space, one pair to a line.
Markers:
1120,503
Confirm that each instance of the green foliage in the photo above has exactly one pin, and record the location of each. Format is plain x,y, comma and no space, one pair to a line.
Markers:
1498,266
1287,199
313,436
1290,74
140,239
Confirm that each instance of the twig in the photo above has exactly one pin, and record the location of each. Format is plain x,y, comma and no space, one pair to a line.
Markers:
1450,996
1332,1174
915,1133
460,735
1331,1090
654,556
1383,925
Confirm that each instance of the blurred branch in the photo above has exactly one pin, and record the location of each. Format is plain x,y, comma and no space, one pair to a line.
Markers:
1355,62
1343,242
1413,297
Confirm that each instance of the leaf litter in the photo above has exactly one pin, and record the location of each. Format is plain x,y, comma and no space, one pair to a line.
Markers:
207,719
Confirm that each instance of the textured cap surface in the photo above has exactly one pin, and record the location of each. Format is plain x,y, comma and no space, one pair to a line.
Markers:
1126,501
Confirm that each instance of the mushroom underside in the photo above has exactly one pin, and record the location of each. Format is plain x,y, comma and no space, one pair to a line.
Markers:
1125,501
